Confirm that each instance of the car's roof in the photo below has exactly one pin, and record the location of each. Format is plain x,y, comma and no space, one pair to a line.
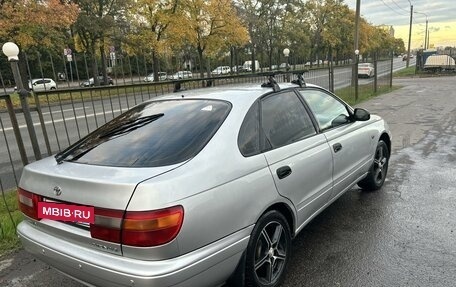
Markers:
39,79
236,94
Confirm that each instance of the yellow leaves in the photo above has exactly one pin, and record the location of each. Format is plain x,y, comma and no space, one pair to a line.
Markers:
213,25
35,22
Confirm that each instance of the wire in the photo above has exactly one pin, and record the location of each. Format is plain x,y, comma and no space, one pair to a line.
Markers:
394,10
395,3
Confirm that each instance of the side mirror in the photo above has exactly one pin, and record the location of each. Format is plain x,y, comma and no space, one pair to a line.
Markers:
361,115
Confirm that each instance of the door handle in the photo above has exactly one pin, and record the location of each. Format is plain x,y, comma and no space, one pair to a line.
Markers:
337,147
283,171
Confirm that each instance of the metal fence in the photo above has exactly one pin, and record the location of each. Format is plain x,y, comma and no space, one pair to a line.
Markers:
60,117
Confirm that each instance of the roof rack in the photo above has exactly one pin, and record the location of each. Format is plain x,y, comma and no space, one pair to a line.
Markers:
272,83
177,87
300,80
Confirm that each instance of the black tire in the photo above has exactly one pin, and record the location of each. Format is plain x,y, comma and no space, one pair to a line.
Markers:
377,173
268,252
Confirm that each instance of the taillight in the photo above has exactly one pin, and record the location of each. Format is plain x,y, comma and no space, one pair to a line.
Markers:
28,203
138,228
108,224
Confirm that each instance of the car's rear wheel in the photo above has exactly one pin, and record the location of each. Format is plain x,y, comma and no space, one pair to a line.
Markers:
268,252
377,173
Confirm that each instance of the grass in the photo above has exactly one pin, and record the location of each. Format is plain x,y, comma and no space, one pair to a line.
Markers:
8,238
365,92
407,72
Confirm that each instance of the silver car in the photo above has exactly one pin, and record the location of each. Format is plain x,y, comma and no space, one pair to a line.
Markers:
200,187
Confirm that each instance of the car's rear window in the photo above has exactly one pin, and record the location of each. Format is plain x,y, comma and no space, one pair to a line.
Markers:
152,134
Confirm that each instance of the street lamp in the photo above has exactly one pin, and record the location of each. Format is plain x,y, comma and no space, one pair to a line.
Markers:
11,50
356,73
286,53
426,40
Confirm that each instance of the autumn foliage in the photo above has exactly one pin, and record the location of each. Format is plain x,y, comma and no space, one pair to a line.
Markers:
32,23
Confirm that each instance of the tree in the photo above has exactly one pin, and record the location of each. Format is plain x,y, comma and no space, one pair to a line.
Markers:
36,25
212,25
331,23
154,26
95,25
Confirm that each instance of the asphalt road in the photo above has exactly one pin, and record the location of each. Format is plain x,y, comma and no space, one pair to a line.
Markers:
402,235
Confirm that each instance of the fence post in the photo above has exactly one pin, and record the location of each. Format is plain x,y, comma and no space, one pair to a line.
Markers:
375,72
43,124
391,70
331,73
17,132
23,94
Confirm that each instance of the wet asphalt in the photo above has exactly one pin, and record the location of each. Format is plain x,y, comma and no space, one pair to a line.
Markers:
401,235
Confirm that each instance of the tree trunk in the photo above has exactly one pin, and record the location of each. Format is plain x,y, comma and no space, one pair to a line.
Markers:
103,62
155,64
93,59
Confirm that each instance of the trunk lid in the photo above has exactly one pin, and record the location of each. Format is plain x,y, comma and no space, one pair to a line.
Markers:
81,184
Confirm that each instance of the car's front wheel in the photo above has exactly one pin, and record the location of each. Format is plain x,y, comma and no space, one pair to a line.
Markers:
268,251
377,173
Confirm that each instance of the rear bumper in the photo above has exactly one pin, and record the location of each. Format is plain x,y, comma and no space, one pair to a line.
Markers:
207,266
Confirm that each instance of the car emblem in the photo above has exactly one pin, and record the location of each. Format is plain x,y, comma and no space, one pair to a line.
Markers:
57,191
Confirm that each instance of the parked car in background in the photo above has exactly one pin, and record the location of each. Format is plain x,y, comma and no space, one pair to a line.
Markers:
181,75
221,70
238,69
42,84
248,66
199,187
91,82
162,76
366,70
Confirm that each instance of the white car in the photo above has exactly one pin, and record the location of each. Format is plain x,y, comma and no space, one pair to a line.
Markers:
162,76
181,75
366,70
42,84
221,70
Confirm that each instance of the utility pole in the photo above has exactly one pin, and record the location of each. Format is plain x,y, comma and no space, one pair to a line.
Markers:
426,40
356,49
410,36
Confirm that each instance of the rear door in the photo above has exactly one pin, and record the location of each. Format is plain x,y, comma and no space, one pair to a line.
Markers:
299,159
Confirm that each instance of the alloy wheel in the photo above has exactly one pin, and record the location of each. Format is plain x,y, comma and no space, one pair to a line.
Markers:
270,253
380,164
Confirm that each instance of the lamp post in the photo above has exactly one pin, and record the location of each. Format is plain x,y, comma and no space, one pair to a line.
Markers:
286,53
410,35
11,50
356,74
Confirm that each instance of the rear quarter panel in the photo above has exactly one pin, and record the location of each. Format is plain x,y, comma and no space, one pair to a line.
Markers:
221,191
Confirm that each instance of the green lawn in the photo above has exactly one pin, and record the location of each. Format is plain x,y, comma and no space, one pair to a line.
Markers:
365,92
407,72
8,212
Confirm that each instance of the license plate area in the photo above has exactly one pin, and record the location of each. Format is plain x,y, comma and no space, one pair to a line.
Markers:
66,212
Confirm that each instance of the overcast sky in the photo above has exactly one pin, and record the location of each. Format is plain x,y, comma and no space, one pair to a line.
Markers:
440,13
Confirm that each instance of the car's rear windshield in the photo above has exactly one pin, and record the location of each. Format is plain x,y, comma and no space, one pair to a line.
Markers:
152,134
